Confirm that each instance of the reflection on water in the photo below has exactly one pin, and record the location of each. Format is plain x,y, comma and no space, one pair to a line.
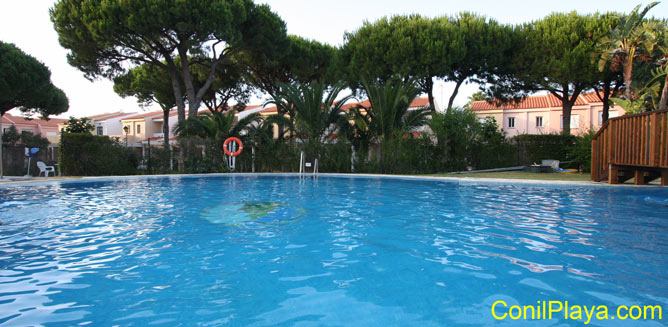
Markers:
237,214
355,252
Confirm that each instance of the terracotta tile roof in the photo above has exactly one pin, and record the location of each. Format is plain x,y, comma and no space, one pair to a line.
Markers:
249,107
535,102
110,116
269,110
419,102
52,122
144,115
104,115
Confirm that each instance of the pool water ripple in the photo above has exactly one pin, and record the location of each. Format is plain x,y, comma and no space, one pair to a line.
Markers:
336,251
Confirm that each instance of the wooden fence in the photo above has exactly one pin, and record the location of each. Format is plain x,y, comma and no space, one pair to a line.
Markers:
632,146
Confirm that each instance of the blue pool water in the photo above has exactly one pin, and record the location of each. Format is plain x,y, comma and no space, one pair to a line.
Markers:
339,251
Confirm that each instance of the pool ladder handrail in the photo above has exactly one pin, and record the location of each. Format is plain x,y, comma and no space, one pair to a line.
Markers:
302,163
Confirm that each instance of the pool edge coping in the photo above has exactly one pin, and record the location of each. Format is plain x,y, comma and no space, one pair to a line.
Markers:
459,180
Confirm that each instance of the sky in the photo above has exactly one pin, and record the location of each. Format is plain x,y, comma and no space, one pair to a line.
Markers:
27,25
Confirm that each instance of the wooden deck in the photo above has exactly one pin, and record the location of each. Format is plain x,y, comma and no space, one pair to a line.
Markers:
632,146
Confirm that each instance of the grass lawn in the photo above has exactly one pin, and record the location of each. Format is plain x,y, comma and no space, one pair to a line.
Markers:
524,175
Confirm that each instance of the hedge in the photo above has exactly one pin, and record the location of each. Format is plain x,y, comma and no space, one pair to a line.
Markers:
83,154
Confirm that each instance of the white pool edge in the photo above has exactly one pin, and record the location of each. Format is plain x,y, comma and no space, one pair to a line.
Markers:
458,180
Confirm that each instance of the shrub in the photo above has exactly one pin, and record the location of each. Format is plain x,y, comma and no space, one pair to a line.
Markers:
79,125
83,154
200,155
535,148
492,149
580,152
409,156
335,158
463,141
11,136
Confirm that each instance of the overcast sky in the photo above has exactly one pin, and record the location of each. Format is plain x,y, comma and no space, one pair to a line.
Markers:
27,25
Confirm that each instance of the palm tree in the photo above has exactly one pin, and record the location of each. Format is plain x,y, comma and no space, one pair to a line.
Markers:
388,115
217,126
313,110
627,40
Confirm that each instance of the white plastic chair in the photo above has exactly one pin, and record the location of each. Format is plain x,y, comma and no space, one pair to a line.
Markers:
43,168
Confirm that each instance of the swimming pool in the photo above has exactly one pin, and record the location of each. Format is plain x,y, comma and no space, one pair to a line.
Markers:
336,251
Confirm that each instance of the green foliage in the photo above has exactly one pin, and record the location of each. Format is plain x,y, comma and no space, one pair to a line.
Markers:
488,47
535,148
466,47
408,155
313,110
335,158
25,84
492,149
201,155
11,136
580,152
463,142
629,37
556,56
301,61
387,115
103,37
231,82
148,84
84,154
79,125
410,46
215,126
28,139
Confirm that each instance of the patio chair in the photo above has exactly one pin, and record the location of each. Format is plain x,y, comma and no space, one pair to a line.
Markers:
43,168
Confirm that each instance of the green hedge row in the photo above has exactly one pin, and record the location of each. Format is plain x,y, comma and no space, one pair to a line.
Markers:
573,151
83,154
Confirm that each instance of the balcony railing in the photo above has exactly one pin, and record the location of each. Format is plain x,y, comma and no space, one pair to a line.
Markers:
632,146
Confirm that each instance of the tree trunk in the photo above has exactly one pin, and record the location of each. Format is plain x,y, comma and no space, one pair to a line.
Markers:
165,130
566,108
454,93
606,103
664,95
178,94
193,104
628,78
430,93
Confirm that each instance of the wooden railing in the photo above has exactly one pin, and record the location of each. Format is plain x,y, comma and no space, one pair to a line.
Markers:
632,146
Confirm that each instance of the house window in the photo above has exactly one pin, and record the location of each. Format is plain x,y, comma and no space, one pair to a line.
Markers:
138,129
511,122
539,121
100,130
611,114
575,121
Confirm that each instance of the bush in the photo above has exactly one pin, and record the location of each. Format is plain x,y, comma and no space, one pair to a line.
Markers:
200,156
83,154
409,156
463,142
535,148
335,158
492,149
580,152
